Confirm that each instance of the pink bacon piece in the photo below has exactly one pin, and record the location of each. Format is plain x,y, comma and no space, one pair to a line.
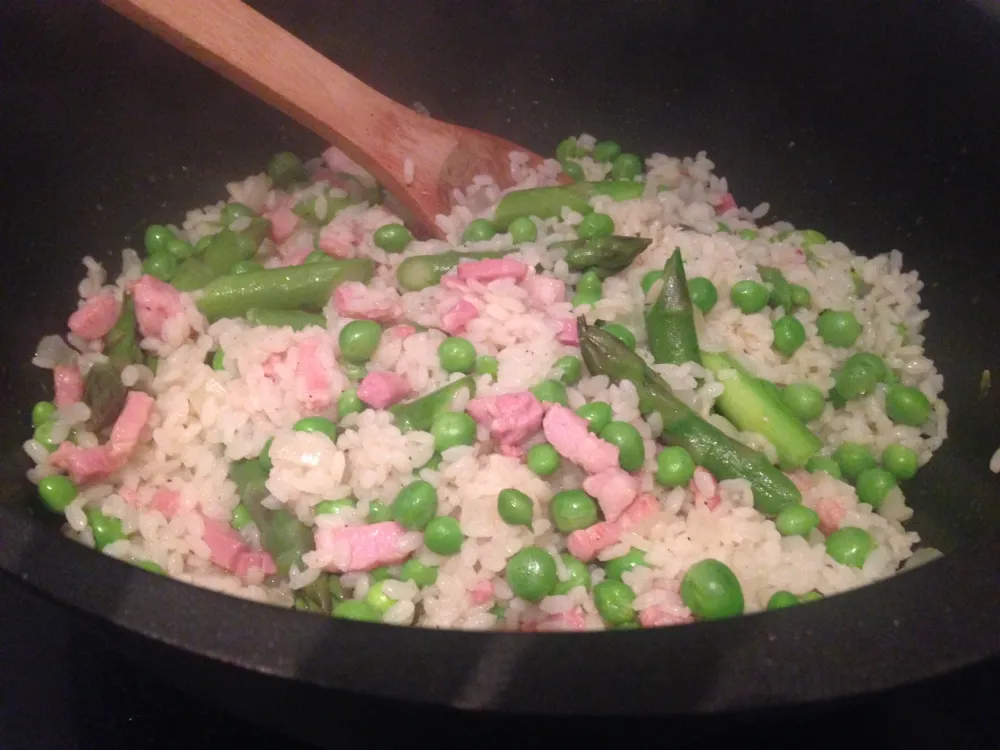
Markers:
454,321
313,373
669,612
481,593
156,302
726,203
573,620
511,418
491,269
570,436
584,544
96,316
339,239
284,223
68,384
380,390
357,548
614,489
831,514
568,333
229,550
355,300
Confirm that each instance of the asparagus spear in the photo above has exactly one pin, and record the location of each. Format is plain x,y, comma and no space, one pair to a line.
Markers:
104,393
295,319
420,413
710,447
119,343
548,202
227,248
605,254
670,321
422,271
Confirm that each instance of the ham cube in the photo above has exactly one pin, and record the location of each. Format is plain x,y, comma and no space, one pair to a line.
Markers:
96,316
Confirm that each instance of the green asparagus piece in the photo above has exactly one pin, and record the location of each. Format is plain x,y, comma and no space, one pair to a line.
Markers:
296,319
548,202
753,408
781,290
104,393
420,413
120,344
227,248
670,321
422,271
192,274
606,254
709,447
306,287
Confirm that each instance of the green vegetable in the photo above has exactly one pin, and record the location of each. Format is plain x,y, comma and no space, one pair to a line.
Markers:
422,271
723,227
358,340
568,148
415,505
674,466
606,151
810,596
332,507
514,507
487,365
357,609
523,230
315,211
573,170
543,459
420,574
789,335
377,599
240,517
577,574
160,265
572,510
286,170
621,333
853,459
42,412
420,413
548,202
349,403
150,566
156,238
551,391
648,279
782,599
903,462
354,371
823,463
294,319
569,369
801,298
393,238
104,393
320,425
838,329
531,574
850,545
43,435
796,520
614,602
57,492
598,415
453,428
264,459
106,529
907,406
631,448
594,225
749,234
804,400
857,377
233,211
626,167
711,591
378,512
812,237
457,354
316,256
444,536
606,254
670,321
873,485
588,289
227,248
479,230
614,568
192,274
246,266
120,343
703,293
749,296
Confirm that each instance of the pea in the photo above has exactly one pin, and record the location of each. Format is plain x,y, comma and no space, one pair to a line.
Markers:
180,249
626,167
631,448
156,238
606,151
354,371
218,360
551,391
853,459
855,380
595,225
42,412
907,406
598,415
358,340
487,365
332,507
573,170
378,512
498,611
380,574
246,266
749,234
415,505
161,265
812,237
711,591
393,238
782,599
514,507
356,609
531,574
106,529
577,574
674,466
452,428
264,459
568,149
233,211
703,293
588,289
721,226
789,335
621,333
875,362
749,296
569,368
850,546
543,459
796,520
151,567
57,492
376,598
420,574
523,229
810,596
800,296
614,568
321,425
43,434
444,536
457,354
614,602
903,462
479,230
286,169
873,485
804,400
651,278
838,329
824,463
572,510
349,403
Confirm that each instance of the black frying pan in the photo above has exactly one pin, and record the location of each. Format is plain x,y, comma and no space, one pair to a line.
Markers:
872,123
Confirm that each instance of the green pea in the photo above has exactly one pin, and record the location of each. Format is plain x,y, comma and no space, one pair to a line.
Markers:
873,485
804,400
907,406
782,599
498,611
853,459
161,265
378,512
377,599
595,225
246,266
903,462
650,278
838,329
358,340
749,296
151,567
789,335
393,238
626,167
42,412
357,609
855,380
749,234
218,360
614,602
240,517
523,229
588,289
57,492
453,428
420,574
531,574
800,296
322,425
577,574
349,403
598,415
711,591
551,391
810,596
614,568
606,151
380,574
233,211
812,237
487,365
572,510
543,459
850,545
568,149
515,508
264,459
286,169
569,368
180,249
824,463
573,170
457,354
43,434
156,238
332,507
479,230
106,529
355,371
415,505
444,536
703,293
621,333
631,448
875,362
674,466
796,520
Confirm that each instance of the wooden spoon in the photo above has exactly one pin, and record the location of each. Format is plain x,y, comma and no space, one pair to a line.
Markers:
374,131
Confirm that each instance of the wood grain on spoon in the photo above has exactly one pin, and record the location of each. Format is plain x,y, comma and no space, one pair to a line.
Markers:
376,132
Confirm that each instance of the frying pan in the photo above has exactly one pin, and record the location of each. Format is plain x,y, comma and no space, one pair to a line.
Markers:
874,123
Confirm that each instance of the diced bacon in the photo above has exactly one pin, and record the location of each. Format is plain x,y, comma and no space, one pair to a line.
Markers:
614,489
312,374
544,290
85,465
284,222
339,239
224,543
584,544
355,300
726,203
705,489
252,560
574,620
96,317
68,385
380,390
568,333
641,508
481,593
491,269
399,332
129,425
669,612
166,501
831,514
362,547
511,418
454,321
570,436
156,302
